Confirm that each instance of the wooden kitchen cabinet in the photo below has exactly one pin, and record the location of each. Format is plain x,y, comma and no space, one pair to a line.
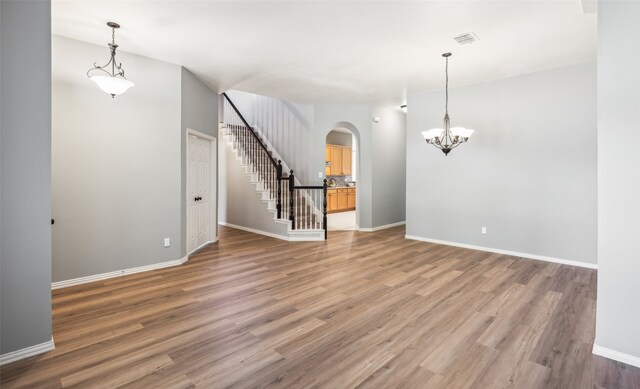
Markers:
351,198
341,199
346,161
332,200
338,160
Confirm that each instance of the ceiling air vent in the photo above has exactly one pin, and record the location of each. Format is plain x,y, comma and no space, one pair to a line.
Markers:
466,38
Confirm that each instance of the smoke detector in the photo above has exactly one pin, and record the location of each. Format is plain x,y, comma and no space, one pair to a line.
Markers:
466,38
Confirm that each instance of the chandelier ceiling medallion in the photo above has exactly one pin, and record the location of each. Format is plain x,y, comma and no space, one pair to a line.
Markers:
110,77
447,138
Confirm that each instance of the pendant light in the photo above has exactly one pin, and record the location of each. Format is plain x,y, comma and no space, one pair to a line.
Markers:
110,77
447,138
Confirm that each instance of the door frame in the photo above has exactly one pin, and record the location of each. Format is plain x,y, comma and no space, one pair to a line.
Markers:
213,187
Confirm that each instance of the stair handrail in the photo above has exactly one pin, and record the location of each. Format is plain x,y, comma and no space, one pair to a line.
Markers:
252,131
279,177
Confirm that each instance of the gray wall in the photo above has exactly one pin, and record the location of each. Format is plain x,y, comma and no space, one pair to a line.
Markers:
339,138
116,164
25,169
528,173
618,311
199,111
389,166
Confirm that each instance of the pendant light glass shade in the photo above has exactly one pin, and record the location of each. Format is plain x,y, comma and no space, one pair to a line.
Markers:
112,85
461,132
432,133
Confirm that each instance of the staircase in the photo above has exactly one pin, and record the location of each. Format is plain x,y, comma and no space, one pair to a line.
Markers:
303,209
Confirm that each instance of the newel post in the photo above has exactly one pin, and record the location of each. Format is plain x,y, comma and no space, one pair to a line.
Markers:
291,202
279,185
324,208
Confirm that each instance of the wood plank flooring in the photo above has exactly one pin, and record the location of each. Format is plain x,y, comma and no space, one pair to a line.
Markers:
362,310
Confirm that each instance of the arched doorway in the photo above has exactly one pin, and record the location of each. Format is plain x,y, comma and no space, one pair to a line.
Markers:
341,171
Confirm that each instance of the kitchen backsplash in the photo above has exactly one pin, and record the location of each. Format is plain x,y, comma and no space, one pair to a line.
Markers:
340,180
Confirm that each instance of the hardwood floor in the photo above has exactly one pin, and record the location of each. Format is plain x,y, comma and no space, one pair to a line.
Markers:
366,310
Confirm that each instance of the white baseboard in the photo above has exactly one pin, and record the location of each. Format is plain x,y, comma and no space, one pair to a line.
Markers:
383,227
27,352
259,232
201,246
506,252
616,355
117,273
300,238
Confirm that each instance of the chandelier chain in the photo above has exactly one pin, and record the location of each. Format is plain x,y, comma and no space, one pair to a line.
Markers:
113,35
446,88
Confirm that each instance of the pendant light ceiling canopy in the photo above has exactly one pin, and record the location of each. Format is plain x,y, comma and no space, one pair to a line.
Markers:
447,138
110,77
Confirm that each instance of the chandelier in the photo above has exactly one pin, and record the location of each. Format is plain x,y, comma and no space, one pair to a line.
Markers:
447,138
110,77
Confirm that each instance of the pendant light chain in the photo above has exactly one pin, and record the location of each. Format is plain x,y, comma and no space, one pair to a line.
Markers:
446,88
113,35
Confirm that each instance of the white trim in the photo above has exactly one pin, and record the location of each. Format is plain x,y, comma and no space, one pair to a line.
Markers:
200,134
383,227
506,252
27,352
117,273
259,232
616,355
305,236
201,246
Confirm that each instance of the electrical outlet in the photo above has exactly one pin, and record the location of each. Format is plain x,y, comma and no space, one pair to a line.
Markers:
167,242
320,174
484,230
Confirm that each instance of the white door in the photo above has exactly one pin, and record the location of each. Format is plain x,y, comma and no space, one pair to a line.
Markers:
198,192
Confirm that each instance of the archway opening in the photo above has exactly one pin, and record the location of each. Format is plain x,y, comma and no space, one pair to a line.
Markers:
341,171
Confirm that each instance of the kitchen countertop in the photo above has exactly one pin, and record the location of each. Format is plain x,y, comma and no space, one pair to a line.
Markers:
341,187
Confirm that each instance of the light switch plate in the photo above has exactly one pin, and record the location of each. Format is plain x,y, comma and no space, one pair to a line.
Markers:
167,242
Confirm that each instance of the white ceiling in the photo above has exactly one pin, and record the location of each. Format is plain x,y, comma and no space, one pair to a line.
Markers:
350,51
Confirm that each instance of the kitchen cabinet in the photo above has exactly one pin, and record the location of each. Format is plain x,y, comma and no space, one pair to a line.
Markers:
351,198
346,161
332,200
341,199
338,160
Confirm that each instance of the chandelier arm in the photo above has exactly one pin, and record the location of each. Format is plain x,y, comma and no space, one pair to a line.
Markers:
437,146
112,62
96,68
